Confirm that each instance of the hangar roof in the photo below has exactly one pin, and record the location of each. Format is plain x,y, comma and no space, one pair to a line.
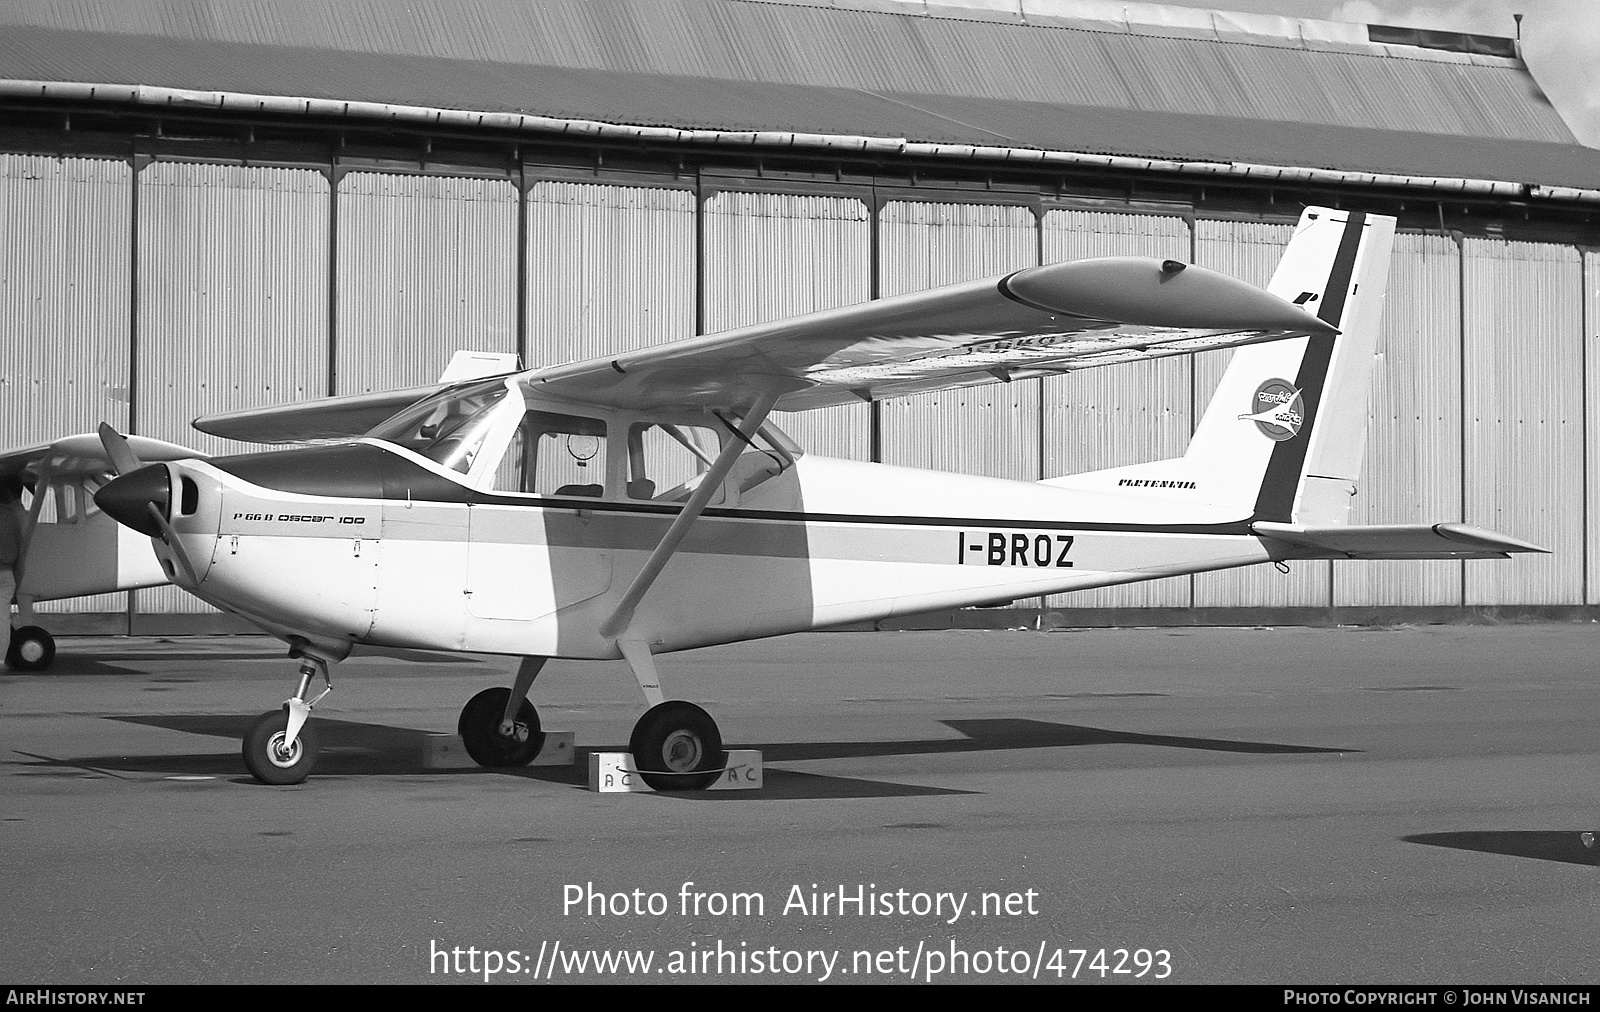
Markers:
1092,76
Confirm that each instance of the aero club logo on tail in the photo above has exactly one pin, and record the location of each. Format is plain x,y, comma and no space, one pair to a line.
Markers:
1277,410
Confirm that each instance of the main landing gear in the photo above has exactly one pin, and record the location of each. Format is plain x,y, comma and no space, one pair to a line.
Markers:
281,747
676,745
32,649
499,727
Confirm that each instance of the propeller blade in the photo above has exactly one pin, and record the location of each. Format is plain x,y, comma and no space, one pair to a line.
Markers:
172,541
123,459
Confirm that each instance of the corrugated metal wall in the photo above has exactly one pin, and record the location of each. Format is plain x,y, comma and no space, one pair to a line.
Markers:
1480,410
1523,321
610,269
1591,405
1412,469
65,277
994,429
427,266
768,256
1249,250
232,301
1101,418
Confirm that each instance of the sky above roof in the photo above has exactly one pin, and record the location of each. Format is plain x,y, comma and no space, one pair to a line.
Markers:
1560,38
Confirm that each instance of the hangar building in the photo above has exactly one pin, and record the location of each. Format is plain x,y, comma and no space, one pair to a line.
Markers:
217,204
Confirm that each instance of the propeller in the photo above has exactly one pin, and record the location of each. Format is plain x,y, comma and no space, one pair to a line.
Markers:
139,492
172,541
123,459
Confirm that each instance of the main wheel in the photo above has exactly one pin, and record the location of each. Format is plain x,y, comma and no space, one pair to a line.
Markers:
480,730
676,747
266,757
32,649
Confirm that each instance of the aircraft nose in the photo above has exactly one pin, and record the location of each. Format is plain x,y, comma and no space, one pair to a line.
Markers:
127,499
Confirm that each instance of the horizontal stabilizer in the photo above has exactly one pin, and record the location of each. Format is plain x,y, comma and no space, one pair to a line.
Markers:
1397,541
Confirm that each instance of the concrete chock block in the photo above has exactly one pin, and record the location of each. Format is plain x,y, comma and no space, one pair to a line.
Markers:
445,751
614,772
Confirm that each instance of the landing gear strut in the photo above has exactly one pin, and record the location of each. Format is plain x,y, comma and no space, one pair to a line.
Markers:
281,747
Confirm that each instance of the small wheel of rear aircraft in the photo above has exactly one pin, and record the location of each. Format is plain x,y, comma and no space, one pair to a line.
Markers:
32,649
676,747
480,730
266,757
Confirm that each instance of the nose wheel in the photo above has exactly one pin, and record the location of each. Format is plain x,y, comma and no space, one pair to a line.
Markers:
281,747
676,746
272,757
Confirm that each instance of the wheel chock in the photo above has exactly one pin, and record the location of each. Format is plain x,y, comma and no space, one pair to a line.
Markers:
615,773
445,751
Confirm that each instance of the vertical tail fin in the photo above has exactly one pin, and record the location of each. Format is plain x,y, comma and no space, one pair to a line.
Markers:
1286,429
1283,436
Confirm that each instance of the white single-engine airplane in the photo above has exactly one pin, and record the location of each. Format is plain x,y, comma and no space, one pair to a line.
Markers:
71,549
643,503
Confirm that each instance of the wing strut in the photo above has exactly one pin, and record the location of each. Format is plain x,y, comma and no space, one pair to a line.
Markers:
617,624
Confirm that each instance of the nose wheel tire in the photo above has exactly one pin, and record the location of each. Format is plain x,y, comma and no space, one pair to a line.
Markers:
676,747
266,756
32,649
480,731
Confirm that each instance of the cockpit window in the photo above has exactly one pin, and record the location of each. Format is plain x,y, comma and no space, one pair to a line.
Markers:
449,427
566,454
667,461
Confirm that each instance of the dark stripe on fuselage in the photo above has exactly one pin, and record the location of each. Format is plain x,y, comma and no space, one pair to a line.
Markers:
1275,500
344,471
364,471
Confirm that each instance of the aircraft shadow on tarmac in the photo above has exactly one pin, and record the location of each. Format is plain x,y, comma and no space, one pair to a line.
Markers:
76,665
351,748
64,666
1565,846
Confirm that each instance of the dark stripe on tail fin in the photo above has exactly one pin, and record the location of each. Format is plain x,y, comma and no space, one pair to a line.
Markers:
1281,483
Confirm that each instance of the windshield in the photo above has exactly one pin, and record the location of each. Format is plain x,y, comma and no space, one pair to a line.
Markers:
448,427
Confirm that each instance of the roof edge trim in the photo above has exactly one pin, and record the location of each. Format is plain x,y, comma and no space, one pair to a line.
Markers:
178,98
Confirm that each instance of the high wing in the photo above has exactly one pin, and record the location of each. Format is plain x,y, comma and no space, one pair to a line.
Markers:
83,454
1398,541
329,418
1041,320
351,415
1032,322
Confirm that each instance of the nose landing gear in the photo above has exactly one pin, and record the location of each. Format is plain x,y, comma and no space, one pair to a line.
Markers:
281,747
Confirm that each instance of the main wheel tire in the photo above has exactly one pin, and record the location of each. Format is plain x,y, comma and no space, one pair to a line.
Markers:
32,649
266,758
676,747
480,731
